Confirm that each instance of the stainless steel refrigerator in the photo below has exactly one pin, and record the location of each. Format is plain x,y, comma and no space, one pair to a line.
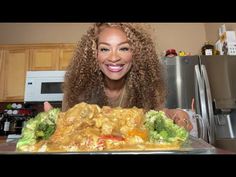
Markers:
207,84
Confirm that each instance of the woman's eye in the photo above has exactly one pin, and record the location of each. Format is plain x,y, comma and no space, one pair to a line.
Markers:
124,49
104,49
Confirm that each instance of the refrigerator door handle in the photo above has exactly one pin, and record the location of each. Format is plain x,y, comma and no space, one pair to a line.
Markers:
200,93
201,124
209,106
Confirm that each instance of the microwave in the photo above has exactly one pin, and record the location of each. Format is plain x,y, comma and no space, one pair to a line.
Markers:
43,86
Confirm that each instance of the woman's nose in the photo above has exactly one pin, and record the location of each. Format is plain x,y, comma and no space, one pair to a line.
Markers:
114,57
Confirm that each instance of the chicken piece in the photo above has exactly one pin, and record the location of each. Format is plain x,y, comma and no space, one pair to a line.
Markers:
81,111
107,128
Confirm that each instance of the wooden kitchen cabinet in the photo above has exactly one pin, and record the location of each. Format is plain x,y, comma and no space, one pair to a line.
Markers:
66,54
44,59
15,66
16,60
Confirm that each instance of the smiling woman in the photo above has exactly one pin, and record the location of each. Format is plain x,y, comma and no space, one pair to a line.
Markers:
115,64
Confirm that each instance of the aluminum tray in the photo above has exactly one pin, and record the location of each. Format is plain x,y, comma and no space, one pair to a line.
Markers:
192,146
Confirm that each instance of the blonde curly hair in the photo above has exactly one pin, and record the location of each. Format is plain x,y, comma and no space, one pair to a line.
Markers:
84,81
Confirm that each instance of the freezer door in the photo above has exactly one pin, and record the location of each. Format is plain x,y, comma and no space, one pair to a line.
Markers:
221,72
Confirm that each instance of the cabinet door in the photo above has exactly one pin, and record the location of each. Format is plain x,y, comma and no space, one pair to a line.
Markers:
44,59
16,65
1,74
65,57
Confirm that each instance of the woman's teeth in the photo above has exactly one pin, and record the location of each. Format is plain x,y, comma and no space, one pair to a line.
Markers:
115,68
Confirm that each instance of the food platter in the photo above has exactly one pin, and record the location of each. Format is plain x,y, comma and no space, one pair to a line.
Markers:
89,129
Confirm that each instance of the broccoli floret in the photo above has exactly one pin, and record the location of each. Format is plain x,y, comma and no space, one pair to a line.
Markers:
38,128
45,130
162,129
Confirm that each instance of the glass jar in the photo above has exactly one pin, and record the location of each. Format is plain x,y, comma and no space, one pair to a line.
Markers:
208,49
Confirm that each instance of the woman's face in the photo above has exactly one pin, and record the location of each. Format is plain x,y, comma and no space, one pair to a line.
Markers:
114,53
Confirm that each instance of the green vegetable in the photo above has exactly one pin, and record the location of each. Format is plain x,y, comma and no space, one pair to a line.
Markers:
39,128
9,106
162,129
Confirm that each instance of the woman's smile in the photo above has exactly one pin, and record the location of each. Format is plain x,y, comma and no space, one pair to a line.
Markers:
115,67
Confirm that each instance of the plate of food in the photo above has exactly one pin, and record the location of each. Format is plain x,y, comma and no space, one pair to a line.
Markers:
88,128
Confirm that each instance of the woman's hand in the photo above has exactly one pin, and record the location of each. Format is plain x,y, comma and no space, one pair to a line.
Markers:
47,106
179,117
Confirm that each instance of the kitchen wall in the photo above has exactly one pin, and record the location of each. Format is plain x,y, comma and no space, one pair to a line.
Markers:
188,37
212,33
28,33
181,36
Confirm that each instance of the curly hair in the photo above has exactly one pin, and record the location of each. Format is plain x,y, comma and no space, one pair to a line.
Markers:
84,81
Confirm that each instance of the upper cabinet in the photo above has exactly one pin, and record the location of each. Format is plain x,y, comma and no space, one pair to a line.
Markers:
16,60
54,57
15,66
66,54
43,59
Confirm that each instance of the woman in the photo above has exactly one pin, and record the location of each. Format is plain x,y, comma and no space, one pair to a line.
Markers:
117,65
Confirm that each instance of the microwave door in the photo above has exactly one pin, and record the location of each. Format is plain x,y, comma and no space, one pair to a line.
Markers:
51,87
51,90
38,90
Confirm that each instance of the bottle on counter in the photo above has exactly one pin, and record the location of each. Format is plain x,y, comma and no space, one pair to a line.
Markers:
1,123
6,125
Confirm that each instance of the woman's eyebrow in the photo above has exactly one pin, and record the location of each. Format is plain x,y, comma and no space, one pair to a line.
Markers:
105,43
125,42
